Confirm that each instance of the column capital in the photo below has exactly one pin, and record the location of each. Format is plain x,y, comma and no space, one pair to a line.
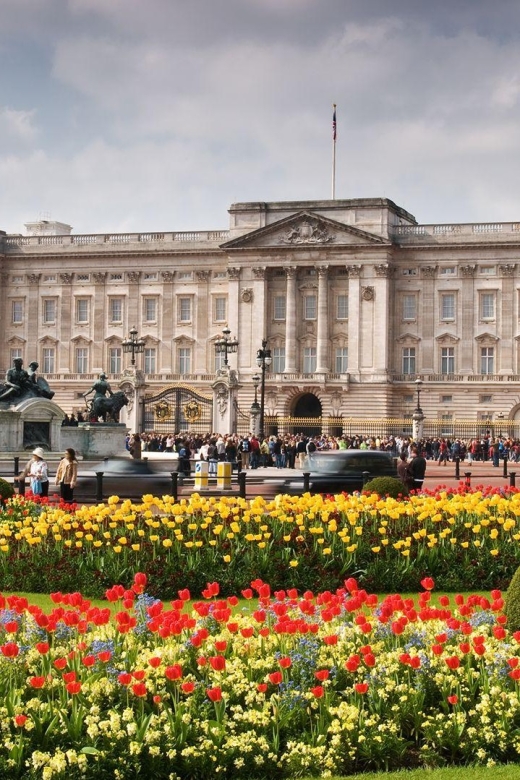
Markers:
290,271
323,271
354,270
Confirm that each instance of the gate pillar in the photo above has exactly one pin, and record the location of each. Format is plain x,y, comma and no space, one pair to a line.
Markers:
225,392
132,384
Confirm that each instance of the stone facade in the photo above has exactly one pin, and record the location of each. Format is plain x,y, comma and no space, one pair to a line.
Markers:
354,297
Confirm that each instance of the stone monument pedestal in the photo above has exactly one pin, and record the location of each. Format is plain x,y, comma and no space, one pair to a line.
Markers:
34,422
96,440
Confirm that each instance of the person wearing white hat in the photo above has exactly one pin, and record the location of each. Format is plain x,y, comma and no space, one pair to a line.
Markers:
37,470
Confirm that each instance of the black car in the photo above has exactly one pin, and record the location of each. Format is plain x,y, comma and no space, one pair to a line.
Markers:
342,471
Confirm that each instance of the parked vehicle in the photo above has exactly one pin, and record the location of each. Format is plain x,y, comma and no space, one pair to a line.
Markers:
342,471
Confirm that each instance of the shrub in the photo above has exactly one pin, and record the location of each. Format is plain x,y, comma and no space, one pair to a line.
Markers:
6,491
387,486
512,608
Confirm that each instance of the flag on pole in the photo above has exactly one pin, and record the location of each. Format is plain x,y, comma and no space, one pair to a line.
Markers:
334,122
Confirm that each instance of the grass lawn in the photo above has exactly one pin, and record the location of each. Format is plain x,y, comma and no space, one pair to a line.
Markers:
507,772
44,601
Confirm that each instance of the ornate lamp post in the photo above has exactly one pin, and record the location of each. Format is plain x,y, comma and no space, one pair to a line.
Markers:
133,344
255,406
418,416
500,418
226,345
418,385
263,361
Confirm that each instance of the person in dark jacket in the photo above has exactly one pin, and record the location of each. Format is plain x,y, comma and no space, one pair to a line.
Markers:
416,469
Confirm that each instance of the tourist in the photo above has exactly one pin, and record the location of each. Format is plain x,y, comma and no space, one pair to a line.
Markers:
416,469
36,470
67,475
135,446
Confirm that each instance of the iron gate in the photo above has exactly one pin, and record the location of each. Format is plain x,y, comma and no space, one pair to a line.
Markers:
176,409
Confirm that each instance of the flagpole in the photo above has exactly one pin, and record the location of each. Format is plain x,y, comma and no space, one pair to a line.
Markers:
334,152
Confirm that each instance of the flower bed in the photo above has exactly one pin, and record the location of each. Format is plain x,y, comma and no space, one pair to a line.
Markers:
459,537
322,684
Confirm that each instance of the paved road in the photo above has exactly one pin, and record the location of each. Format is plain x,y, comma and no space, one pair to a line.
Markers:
262,481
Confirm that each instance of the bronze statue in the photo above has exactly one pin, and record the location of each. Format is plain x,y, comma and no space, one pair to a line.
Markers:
21,384
101,406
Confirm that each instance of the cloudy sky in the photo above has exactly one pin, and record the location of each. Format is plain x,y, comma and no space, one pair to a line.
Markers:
137,115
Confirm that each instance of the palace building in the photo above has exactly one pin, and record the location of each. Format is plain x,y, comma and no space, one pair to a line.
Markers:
355,298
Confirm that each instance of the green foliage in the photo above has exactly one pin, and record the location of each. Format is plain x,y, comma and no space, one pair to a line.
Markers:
6,491
512,608
387,486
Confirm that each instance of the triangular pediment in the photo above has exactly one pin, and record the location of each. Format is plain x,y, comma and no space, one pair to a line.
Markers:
304,229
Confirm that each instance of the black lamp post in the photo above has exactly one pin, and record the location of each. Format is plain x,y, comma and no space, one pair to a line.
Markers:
500,418
263,361
133,344
418,385
226,345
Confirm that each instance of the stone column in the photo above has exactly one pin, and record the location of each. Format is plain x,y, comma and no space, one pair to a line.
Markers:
354,294
426,316
290,321
322,331
464,361
65,317
506,326
233,322
97,314
168,320
33,318
134,310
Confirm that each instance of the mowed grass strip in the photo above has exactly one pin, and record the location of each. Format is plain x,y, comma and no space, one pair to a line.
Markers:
504,772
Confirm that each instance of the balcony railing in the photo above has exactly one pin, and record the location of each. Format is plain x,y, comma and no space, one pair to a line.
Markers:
193,236
410,378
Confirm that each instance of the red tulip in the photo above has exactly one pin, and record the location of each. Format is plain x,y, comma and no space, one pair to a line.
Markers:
322,674
155,661
452,662
214,694
187,687
218,663
105,656
20,720
318,691
10,649
69,677
173,672
139,689
276,678
37,682
285,662
453,699
361,688
261,687
60,663
124,678
73,687
88,660
427,583
42,647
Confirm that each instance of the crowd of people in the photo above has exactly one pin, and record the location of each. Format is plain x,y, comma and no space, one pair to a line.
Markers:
290,451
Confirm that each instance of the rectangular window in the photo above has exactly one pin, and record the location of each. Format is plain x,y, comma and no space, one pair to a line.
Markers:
309,360
486,399
114,360
279,307
184,309
184,360
149,360
83,277
220,309
116,310
48,360
487,360
448,360
341,360
450,271
116,277
342,307
152,277
448,306
17,312
309,307
409,307
278,365
488,270
409,360
487,306
82,311
446,399
150,310
81,360
219,361
16,353
185,276
49,311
